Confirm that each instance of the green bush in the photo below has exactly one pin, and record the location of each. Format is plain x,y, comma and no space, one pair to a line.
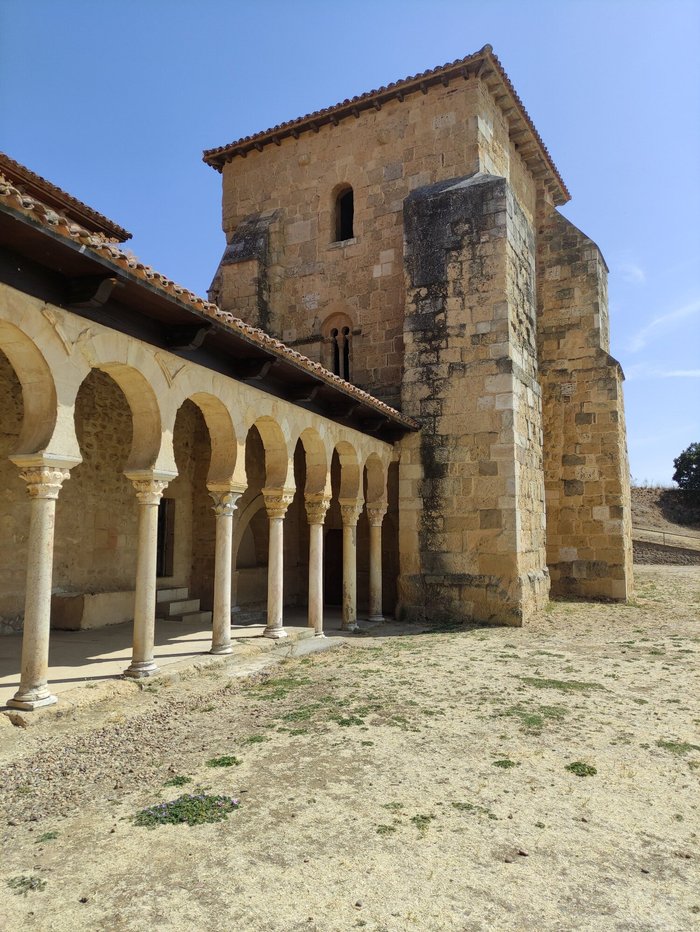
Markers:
687,469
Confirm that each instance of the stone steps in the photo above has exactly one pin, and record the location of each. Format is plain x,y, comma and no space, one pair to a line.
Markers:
175,605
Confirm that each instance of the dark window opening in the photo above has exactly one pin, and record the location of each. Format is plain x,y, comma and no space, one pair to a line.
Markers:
344,214
336,352
166,537
340,340
346,354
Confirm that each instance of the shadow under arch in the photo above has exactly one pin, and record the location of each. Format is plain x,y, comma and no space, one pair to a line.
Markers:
376,485
350,471
145,413
318,476
278,469
38,390
222,436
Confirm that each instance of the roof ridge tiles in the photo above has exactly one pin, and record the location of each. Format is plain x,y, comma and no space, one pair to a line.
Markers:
19,174
59,224
216,157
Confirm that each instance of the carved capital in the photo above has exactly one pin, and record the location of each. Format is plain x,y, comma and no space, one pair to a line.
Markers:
277,501
376,512
149,491
350,511
225,503
44,481
316,508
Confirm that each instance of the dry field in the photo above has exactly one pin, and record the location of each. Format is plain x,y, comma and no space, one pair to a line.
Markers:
419,782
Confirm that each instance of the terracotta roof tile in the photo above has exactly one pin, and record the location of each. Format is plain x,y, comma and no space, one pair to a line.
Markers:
15,199
53,196
483,63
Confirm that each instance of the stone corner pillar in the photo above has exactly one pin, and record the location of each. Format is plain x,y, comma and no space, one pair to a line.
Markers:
149,486
375,516
317,505
350,512
44,476
277,501
225,498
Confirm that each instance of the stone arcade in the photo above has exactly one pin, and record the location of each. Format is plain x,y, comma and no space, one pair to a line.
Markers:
450,445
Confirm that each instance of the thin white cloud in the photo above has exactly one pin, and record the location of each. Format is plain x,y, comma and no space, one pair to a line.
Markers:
642,370
661,324
632,273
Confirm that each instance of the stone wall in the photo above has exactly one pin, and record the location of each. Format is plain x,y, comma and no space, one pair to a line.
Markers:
282,269
589,548
471,494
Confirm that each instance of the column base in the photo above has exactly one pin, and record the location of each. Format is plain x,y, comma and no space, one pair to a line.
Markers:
376,618
221,649
319,634
275,633
352,626
27,702
138,669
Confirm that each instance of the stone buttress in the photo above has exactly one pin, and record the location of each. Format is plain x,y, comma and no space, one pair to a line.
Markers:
472,538
589,548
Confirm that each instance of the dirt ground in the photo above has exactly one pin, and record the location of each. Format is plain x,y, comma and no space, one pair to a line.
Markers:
399,783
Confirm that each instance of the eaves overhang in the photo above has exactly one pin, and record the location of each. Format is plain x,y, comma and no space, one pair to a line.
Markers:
45,263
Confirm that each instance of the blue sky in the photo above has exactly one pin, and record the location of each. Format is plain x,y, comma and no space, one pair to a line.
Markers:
115,102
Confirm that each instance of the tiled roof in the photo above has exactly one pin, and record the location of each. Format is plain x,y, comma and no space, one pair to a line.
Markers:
13,198
35,186
482,64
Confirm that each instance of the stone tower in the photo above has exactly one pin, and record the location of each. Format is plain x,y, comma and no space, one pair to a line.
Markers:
409,240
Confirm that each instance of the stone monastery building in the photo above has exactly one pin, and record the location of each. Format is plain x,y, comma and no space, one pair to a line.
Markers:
398,399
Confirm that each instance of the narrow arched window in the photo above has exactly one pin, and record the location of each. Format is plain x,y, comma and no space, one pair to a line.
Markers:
344,214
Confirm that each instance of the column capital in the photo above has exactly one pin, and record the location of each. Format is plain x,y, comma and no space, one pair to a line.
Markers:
350,510
317,505
44,474
149,485
44,481
277,501
225,500
376,512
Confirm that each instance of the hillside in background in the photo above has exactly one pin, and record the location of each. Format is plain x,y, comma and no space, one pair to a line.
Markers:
670,510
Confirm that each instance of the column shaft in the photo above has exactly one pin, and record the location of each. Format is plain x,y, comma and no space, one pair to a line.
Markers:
350,513
148,494
316,508
43,485
224,507
375,573
275,580
276,502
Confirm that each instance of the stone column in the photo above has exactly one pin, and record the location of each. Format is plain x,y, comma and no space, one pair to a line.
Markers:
277,501
375,515
44,482
225,502
350,511
149,490
316,508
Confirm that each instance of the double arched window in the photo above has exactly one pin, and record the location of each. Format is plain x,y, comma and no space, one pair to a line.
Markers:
337,331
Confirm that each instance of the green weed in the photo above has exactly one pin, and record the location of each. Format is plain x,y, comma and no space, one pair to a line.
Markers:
226,761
